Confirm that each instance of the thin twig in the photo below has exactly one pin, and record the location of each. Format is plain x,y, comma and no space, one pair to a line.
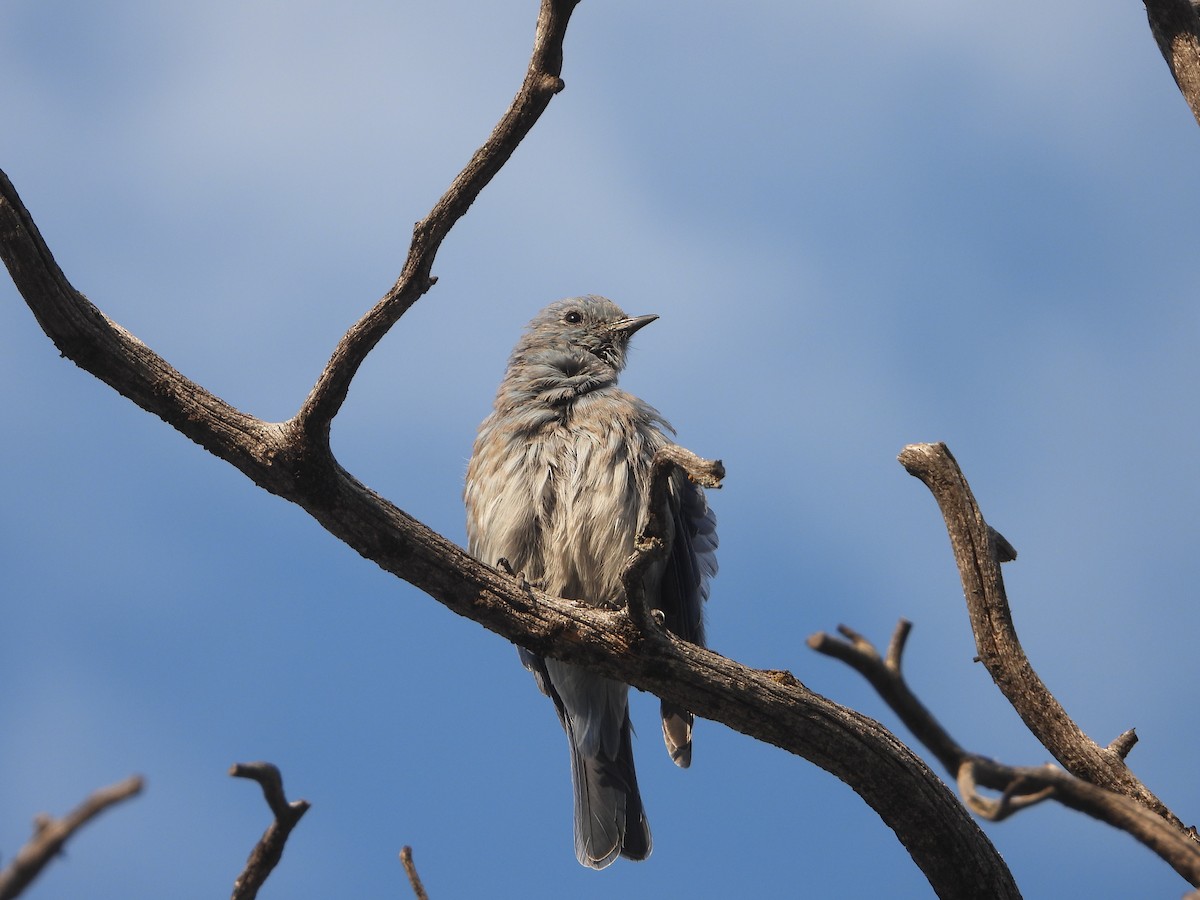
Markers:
1013,799
895,652
269,849
887,678
410,868
51,834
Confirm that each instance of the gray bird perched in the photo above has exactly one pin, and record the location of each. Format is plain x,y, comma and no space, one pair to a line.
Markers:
557,485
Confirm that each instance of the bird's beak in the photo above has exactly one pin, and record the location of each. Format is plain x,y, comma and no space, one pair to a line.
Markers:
627,326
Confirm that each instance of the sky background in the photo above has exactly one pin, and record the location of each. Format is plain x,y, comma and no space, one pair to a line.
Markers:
863,225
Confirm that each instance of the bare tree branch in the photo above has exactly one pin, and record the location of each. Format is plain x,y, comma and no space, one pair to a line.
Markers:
293,460
1176,30
542,82
1021,787
886,677
269,850
765,705
51,834
410,868
1018,794
978,553
1123,743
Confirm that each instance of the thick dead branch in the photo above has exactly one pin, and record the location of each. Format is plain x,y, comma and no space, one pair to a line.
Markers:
269,850
50,835
979,553
1176,29
410,869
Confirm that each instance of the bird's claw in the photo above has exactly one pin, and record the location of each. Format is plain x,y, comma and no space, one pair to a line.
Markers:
506,567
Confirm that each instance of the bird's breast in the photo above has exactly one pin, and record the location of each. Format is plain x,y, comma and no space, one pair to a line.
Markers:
565,500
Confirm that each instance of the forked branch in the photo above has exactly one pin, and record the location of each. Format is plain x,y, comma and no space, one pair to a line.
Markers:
1020,787
269,850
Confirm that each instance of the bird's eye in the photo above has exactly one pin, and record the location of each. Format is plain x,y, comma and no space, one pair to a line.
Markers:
574,317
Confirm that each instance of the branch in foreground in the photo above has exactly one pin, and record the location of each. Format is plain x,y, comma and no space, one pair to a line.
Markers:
979,553
944,841
410,868
1021,787
267,852
293,461
51,834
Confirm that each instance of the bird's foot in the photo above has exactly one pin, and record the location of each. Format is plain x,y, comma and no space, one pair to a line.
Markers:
524,583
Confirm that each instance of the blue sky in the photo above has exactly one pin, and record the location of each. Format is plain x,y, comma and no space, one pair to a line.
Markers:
862,226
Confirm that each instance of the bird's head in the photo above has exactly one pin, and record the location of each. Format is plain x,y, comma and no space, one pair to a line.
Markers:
572,347
584,329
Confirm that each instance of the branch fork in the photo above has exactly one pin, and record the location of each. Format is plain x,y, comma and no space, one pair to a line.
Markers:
269,850
1097,781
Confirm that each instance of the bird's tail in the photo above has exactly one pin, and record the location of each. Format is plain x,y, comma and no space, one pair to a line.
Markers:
609,819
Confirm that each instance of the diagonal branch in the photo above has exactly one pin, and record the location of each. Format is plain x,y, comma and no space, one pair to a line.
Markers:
51,835
886,677
542,82
410,869
979,550
97,344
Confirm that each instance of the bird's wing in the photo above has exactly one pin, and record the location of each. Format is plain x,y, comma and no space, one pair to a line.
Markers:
691,562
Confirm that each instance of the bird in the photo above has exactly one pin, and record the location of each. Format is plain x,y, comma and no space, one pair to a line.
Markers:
557,487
